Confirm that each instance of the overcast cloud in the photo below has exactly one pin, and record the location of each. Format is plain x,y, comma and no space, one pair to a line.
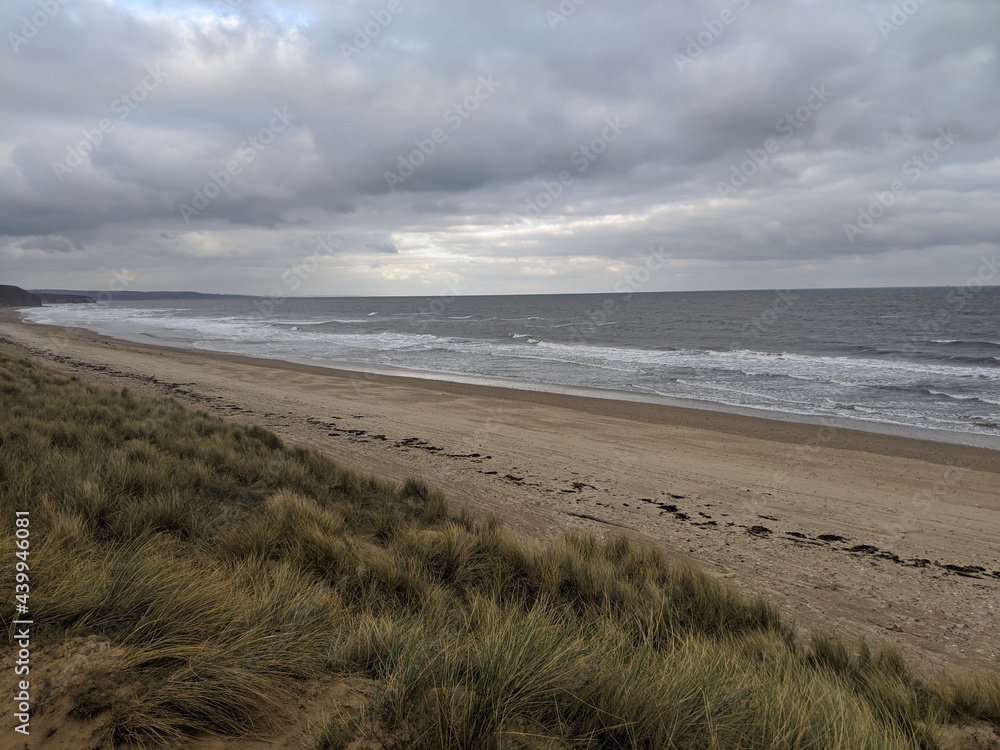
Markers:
406,148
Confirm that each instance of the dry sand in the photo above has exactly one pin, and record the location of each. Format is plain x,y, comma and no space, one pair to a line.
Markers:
887,537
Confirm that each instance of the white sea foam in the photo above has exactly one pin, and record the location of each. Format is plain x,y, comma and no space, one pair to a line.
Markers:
884,389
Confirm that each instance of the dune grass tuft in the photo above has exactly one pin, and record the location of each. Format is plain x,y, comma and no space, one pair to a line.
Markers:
228,568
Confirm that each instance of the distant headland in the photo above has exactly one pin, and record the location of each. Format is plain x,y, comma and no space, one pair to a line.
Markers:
15,296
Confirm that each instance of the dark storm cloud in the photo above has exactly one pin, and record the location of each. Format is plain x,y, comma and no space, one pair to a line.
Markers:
465,139
382,247
49,244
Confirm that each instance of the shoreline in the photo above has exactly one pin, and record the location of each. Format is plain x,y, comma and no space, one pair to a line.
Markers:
886,537
775,427
888,429
884,426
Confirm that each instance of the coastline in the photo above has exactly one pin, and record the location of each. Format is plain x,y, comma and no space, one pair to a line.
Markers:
876,535
776,426
858,416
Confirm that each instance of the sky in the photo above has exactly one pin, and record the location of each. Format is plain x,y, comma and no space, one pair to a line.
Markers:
396,148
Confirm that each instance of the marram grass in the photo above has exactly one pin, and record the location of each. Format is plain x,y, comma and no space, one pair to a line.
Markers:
227,568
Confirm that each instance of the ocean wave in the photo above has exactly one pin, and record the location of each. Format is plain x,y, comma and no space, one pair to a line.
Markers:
911,353
960,397
966,342
317,323
933,388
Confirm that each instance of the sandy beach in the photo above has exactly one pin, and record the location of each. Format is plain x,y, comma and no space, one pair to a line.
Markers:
887,537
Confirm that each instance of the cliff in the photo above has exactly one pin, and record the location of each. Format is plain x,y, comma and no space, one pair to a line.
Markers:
14,296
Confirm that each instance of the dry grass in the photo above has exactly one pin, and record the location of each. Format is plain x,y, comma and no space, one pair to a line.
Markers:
230,568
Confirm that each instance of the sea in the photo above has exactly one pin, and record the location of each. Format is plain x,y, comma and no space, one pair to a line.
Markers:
922,361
